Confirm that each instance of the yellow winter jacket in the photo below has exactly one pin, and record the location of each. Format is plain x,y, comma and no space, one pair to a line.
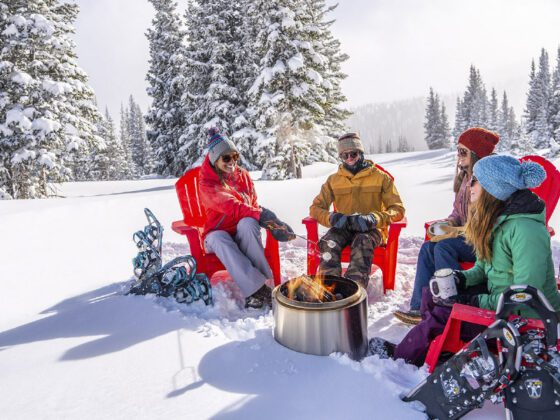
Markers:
369,191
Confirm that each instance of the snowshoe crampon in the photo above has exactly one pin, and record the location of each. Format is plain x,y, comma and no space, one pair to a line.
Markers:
473,375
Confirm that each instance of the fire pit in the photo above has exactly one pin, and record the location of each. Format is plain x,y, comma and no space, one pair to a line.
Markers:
321,315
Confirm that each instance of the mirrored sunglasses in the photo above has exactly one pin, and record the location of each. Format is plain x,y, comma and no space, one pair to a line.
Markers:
228,158
353,155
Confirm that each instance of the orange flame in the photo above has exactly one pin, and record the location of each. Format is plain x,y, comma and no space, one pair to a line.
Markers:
312,290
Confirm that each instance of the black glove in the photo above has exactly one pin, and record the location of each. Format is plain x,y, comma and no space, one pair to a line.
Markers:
280,231
471,300
460,279
362,222
267,218
338,220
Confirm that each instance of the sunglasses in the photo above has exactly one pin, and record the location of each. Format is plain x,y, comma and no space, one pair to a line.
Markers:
229,158
461,151
353,154
473,181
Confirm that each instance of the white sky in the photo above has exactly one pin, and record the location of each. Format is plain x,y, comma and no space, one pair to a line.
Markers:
397,48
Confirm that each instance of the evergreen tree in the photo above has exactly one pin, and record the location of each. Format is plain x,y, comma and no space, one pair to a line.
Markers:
555,100
140,148
475,102
111,163
537,111
403,145
493,114
460,123
167,84
288,95
436,125
47,115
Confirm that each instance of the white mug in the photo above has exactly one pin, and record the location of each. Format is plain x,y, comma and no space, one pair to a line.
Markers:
442,284
435,229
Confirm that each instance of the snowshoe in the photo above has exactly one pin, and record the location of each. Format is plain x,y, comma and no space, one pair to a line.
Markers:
535,394
471,376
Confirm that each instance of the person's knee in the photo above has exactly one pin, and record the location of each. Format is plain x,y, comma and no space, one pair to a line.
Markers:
426,249
214,240
248,225
444,247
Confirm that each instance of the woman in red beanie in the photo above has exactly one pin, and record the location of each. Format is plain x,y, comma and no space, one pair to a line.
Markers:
445,251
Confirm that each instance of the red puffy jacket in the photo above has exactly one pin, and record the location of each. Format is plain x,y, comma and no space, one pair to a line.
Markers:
229,202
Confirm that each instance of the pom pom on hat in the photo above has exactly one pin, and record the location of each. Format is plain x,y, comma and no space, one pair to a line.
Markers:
502,175
533,174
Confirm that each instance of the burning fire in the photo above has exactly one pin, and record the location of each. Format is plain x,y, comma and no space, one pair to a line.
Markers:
307,289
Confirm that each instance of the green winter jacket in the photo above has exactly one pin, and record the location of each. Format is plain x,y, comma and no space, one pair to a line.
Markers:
521,254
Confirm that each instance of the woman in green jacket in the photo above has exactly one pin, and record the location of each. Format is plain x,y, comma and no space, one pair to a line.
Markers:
507,229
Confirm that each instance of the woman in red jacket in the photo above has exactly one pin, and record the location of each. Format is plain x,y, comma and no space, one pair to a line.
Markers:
234,219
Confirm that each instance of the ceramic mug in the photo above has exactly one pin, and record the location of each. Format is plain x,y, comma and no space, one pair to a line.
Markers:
442,284
436,228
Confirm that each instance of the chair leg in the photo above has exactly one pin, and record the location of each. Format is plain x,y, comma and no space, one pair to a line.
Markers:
449,340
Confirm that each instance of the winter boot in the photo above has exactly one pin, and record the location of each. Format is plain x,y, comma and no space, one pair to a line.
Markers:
411,317
383,348
259,299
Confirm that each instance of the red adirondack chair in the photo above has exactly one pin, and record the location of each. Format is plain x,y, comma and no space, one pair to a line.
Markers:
193,221
385,257
450,340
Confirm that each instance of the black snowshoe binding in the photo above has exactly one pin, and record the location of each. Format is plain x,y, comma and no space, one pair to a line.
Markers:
472,376
527,363
535,394
177,278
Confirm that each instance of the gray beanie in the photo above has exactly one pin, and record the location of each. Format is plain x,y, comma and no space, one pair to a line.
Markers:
350,141
218,145
502,175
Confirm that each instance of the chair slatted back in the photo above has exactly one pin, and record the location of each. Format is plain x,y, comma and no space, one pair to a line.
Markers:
549,190
188,194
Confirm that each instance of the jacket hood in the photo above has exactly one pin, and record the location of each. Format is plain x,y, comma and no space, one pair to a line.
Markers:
524,203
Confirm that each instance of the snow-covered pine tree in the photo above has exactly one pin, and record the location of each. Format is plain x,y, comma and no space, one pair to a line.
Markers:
329,59
124,137
167,84
555,100
434,137
537,112
140,148
493,112
460,123
288,95
403,145
475,101
47,117
111,163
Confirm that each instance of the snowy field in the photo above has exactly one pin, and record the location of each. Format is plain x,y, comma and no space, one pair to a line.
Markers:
73,346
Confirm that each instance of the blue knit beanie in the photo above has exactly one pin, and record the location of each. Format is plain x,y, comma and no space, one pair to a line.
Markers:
218,145
502,175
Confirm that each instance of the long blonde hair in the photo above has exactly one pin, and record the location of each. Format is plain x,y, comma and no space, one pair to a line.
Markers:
480,224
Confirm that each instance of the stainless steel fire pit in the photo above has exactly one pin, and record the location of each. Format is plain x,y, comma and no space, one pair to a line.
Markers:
323,328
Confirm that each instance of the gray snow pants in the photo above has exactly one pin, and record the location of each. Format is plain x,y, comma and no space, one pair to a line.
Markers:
242,255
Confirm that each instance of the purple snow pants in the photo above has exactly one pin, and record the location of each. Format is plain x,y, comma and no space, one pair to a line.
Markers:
415,344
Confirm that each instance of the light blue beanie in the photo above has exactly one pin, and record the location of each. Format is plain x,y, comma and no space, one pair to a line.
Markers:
502,175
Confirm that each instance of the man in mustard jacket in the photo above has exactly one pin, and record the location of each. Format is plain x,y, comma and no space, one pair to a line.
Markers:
366,202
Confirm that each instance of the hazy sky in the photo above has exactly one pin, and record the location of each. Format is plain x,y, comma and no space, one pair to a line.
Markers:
397,48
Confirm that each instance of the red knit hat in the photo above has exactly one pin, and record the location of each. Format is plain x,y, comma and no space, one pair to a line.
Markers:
479,140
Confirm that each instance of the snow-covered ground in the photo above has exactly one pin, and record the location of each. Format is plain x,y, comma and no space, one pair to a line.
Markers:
73,346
